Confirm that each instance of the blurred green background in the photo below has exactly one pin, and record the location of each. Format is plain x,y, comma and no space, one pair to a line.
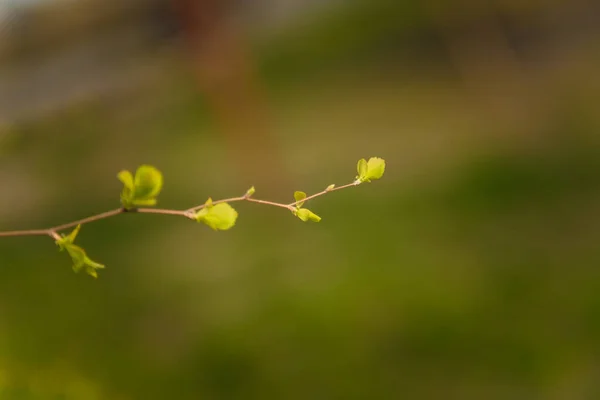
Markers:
470,271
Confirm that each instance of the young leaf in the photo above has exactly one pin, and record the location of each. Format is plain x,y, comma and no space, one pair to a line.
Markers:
148,182
371,170
127,179
144,203
305,215
361,167
299,196
81,260
69,239
375,168
219,216
142,189
250,191
77,255
330,187
91,267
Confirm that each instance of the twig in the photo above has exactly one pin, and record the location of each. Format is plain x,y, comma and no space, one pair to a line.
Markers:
189,213
312,196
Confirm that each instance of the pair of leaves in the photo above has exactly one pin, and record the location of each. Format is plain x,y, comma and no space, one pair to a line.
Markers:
142,189
370,170
219,217
304,213
78,255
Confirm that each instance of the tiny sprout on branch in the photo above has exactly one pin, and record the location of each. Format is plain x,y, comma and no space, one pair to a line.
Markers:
250,192
143,188
373,169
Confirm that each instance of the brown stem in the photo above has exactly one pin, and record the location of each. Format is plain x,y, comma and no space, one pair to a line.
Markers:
270,203
87,220
53,231
312,196
32,232
161,211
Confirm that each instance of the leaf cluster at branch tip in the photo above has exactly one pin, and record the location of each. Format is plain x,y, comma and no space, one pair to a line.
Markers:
370,170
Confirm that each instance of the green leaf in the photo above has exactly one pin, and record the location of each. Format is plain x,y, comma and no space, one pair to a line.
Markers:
299,196
144,202
375,168
127,193
219,216
69,239
148,182
330,187
77,255
127,179
91,267
362,167
82,261
250,191
142,189
371,170
306,215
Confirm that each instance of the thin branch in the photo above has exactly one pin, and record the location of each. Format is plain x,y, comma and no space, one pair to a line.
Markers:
312,196
189,213
87,220
32,232
230,200
161,211
54,235
243,198
270,203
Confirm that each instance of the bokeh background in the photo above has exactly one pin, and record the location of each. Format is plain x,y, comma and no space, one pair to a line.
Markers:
470,271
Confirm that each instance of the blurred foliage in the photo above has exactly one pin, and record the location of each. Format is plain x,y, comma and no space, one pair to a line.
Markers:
488,280
349,34
470,272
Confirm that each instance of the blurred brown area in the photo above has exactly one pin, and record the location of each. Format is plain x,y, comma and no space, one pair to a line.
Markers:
89,33
225,71
470,271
